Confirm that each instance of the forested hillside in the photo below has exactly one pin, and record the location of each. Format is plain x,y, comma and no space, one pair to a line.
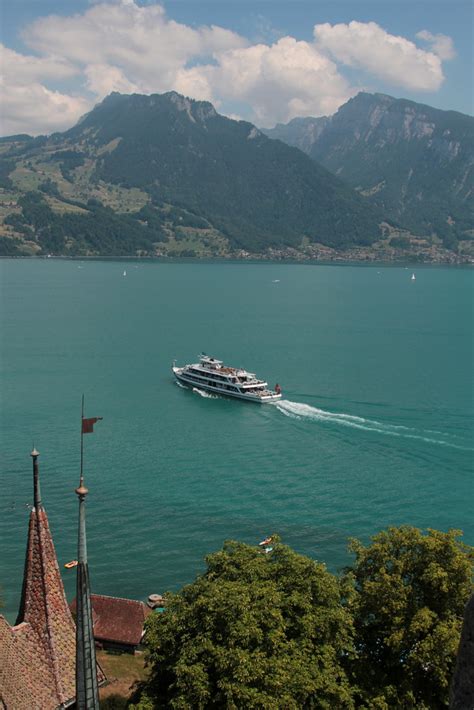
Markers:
414,162
165,174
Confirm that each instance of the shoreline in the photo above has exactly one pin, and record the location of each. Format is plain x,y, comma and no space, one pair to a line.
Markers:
251,259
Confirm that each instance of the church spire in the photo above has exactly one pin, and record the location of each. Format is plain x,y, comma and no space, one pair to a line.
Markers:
87,694
43,602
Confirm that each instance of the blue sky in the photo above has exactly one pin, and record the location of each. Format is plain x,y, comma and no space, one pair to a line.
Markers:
265,61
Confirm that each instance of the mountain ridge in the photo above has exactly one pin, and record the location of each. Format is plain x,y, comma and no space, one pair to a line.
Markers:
163,174
413,161
188,168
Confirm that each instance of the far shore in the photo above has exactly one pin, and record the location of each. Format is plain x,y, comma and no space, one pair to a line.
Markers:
339,260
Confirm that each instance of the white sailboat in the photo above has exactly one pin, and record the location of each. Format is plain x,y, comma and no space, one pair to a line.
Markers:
413,277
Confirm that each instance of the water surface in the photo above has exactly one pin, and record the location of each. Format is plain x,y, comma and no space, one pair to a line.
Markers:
374,429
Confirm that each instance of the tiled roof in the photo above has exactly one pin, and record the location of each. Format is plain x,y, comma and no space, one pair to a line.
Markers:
38,655
44,606
117,620
27,680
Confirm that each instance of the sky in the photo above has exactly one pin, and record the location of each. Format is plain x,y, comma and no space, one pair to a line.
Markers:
265,61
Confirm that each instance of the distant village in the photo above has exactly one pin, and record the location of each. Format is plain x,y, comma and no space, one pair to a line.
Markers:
421,252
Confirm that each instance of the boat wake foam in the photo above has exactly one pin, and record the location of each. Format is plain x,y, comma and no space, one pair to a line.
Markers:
203,393
180,384
299,410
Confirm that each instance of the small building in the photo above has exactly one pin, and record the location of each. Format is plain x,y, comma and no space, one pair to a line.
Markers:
118,624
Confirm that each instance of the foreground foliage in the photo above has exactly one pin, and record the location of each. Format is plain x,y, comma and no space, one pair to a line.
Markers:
278,630
254,631
411,591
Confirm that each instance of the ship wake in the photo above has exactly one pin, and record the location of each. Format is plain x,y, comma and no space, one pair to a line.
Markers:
299,410
203,393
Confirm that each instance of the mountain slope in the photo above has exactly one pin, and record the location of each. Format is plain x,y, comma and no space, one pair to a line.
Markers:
182,170
414,162
301,133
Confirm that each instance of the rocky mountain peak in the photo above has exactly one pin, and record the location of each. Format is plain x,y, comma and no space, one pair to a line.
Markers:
414,161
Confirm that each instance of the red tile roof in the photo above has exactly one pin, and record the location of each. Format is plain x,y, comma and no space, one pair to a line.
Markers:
38,655
44,606
27,680
117,620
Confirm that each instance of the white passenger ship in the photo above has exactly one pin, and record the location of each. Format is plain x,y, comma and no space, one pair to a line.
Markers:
212,375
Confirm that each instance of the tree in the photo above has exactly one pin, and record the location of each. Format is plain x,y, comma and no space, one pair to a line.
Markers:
408,611
254,631
462,687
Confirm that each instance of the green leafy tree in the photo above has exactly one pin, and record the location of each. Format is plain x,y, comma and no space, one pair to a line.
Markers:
408,611
254,631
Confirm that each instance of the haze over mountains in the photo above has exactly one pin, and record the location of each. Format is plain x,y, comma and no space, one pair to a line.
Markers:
165,174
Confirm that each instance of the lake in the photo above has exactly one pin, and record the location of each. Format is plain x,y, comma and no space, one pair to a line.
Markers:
374,429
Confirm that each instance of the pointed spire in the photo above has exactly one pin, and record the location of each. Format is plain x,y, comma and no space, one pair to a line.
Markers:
87,694
36,483
43,602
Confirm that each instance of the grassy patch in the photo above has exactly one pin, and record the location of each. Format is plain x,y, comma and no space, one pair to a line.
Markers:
26,179
122,671
109,147
61,207
203,242
121,199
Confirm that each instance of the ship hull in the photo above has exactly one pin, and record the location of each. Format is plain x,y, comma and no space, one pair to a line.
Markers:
216,389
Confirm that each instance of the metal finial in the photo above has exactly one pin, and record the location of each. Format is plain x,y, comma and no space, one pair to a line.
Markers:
36,482
87,695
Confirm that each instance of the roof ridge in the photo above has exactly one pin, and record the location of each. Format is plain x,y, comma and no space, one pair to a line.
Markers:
122,599
44,532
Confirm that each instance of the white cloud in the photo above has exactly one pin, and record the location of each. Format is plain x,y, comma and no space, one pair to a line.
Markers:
441,45
27,105
278,82
112,47
102,79
394,59
141,42
36,109
121,46
26,68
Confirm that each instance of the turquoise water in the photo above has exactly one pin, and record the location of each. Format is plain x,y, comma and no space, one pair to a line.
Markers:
375,427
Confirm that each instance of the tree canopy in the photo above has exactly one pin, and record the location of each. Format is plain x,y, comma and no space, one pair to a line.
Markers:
278,630
254,631
408,610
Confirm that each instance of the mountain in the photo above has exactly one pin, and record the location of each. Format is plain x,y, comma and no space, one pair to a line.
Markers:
166,174
301,133
413,162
